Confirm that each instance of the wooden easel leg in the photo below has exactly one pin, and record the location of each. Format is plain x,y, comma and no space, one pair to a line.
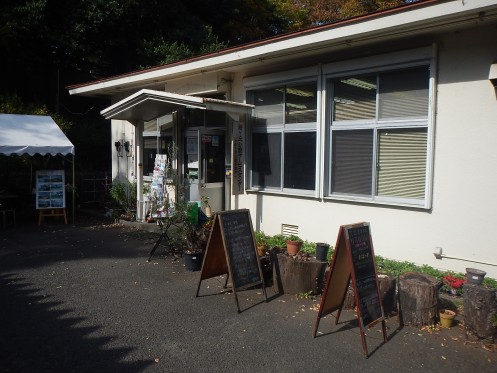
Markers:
364,345
316,326
384,329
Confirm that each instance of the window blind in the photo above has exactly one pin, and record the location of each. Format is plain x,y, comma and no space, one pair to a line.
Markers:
402,163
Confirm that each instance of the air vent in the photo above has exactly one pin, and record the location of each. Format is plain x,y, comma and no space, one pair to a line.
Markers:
289,230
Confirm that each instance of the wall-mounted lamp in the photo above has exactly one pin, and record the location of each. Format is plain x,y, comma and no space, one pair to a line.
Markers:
119,148
127,148
492,76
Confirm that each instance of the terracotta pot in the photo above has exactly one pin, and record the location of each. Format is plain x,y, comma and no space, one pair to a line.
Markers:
293,247
261,250
446,318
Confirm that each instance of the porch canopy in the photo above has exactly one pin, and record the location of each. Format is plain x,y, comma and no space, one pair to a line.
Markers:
32,134
147,104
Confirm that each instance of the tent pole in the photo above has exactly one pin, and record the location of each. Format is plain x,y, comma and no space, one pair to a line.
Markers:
73,187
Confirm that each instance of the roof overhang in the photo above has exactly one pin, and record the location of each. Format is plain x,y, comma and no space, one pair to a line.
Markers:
412,19
147,104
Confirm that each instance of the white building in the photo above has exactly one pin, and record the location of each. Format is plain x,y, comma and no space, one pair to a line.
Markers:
389,118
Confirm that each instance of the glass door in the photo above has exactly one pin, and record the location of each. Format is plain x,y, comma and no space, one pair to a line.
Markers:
205,154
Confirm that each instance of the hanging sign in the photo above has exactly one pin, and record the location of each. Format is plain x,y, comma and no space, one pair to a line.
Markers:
353,259
231,250
237,156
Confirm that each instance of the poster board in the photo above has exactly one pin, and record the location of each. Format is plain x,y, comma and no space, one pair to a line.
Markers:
231,250
50,189
353,259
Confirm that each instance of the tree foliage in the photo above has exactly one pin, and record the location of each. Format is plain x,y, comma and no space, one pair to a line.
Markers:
307,13
46,45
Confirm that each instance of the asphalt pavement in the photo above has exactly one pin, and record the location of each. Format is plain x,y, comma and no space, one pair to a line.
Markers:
83,298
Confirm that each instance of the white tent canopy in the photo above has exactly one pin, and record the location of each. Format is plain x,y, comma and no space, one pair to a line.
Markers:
32,134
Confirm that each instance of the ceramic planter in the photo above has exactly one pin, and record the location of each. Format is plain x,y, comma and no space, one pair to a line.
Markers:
193,261
322,252
446,318
475,276
293,247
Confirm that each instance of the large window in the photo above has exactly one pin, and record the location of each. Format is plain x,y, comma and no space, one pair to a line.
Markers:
284,140
157,135
379,127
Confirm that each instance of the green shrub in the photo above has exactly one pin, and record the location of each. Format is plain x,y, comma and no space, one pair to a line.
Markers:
385,266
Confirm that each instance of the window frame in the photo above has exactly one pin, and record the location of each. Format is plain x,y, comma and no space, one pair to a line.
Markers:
283,129
377,125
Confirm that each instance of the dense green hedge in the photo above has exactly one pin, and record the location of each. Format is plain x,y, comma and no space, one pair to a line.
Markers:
385,266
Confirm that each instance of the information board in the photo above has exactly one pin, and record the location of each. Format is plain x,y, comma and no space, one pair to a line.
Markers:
240,244
231,250
50,189
353,259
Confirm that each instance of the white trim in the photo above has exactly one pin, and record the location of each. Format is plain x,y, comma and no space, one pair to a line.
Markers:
281,77
122,109
380,62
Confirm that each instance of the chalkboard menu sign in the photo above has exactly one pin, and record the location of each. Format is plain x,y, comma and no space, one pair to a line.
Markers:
239,242
231,250
364,273
353,259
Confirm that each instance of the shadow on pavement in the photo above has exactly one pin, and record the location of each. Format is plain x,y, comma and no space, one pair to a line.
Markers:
38,334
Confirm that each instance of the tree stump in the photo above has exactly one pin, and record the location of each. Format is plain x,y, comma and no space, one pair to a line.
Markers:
294,276
418,299
388,292
480,305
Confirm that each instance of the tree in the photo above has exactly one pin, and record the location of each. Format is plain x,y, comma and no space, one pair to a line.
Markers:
306,13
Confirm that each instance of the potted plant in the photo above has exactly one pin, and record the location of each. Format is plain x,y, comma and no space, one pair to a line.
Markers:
261,242
446,318
293,244
205,204
452,284
123,194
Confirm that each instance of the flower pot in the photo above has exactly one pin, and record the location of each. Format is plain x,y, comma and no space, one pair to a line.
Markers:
475,276
322,252
261,250
446,318
193,261
293,247
208,211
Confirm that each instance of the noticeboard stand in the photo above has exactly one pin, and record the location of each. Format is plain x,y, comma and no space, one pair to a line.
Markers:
231,251
353,260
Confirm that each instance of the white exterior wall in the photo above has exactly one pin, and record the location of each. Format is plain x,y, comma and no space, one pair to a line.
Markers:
464,204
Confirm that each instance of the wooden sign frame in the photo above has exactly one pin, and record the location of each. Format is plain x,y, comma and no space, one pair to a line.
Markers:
231,250
353,259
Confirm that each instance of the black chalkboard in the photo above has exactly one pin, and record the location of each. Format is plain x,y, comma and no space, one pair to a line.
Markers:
364,273
236,228
353,259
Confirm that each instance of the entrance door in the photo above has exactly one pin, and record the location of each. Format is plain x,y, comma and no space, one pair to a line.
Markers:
205,165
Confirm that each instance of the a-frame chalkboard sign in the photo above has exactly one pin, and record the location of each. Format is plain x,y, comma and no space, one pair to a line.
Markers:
231,250
353,259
